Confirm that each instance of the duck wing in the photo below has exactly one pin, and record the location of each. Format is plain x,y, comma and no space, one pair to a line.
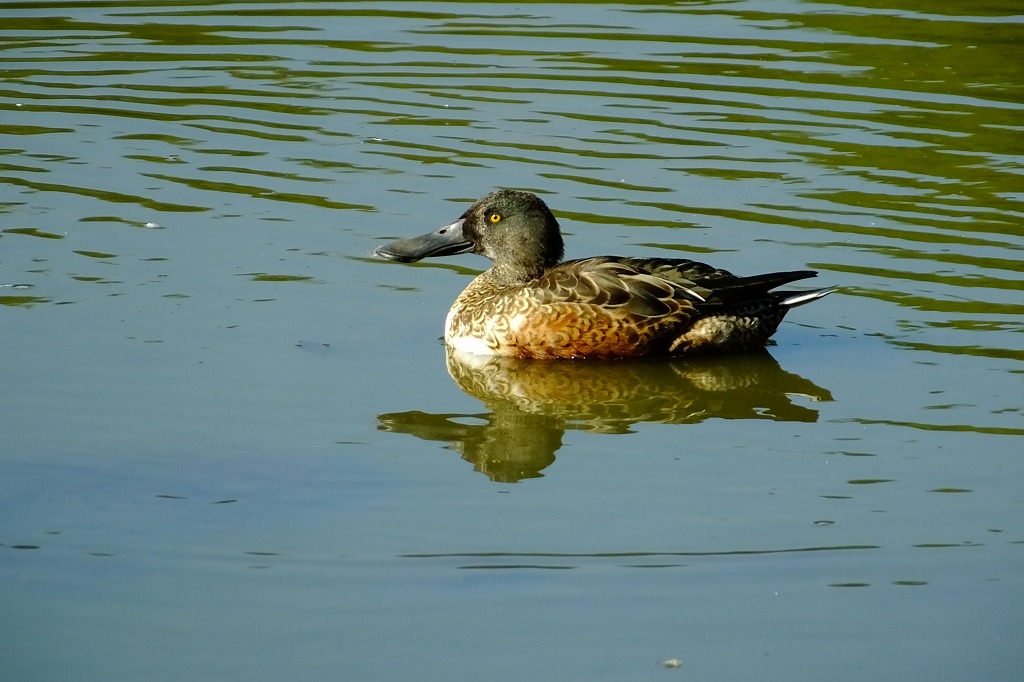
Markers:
721,287
619,285
651,287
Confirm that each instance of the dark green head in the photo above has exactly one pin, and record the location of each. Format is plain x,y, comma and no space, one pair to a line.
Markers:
516,230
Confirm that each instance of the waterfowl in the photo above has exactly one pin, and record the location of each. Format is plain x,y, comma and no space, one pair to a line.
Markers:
531,304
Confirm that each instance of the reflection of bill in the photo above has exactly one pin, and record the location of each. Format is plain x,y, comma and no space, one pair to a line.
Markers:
533,403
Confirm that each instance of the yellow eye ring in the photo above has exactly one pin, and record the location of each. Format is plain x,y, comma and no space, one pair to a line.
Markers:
494,217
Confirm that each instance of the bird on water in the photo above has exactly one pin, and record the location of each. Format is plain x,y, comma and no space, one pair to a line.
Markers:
532,304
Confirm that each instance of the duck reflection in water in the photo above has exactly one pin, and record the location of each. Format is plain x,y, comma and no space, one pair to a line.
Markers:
531,404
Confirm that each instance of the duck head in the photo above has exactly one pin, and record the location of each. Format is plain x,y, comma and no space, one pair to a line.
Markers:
514,229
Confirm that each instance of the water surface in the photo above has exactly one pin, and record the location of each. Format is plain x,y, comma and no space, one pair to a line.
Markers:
232,446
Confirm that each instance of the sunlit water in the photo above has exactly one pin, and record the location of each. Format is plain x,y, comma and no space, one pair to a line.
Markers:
232,446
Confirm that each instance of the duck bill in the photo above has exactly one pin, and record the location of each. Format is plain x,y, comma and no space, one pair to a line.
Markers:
447,241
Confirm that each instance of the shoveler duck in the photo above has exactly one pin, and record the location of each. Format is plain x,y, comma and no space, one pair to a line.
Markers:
530,304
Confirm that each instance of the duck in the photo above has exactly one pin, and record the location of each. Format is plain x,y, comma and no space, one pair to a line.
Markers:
532,304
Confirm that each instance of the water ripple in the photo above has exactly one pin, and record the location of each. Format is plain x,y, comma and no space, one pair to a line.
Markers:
871,142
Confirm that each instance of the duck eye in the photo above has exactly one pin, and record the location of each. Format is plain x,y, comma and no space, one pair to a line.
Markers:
494,217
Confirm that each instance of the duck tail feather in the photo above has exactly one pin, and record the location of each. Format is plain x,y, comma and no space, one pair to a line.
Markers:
791,299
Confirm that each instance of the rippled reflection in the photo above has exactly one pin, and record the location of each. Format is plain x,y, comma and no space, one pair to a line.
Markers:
637,559
877,143
531,404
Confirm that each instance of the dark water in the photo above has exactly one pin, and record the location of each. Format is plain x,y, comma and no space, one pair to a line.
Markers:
232,447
